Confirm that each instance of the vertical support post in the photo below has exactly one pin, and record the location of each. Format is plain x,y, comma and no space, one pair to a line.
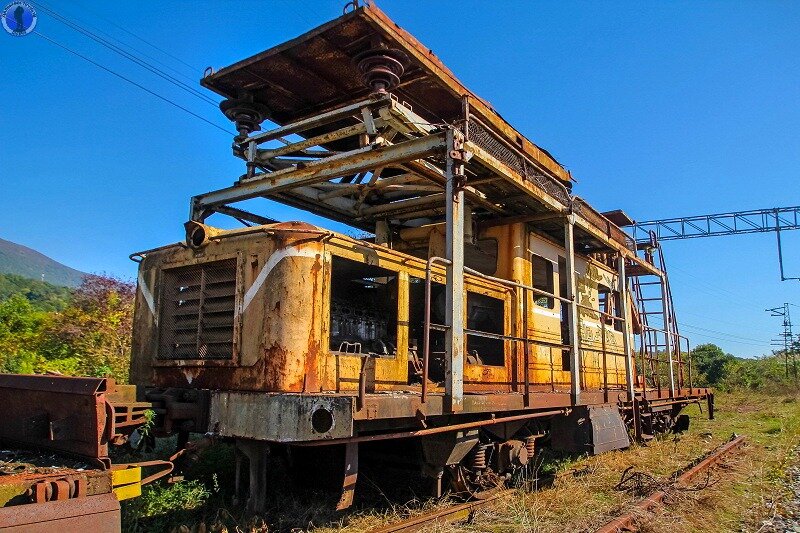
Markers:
667,334
622,288
382,233
350,476
454,289
572,282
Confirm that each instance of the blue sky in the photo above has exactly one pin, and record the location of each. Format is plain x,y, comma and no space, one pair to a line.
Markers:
663,109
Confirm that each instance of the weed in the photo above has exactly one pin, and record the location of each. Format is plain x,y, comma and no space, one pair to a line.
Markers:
162,505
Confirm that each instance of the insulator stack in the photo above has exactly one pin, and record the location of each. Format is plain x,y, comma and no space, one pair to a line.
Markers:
381,68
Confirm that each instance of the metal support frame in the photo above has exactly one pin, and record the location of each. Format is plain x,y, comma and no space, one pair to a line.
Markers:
454,289
574,337
776,219
363,159
668,335
755,221
622,288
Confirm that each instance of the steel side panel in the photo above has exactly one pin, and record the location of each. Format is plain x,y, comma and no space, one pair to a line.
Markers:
278,418
95,514
59,413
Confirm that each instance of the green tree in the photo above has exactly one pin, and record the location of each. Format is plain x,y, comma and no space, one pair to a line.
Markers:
710,364
93,334
20,335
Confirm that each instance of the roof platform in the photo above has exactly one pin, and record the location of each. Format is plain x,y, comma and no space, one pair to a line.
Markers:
319,71
373,130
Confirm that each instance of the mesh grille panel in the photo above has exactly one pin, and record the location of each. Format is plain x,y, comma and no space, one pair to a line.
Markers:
514,160
197,311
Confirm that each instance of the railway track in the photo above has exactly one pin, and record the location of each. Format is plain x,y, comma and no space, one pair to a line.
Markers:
462,512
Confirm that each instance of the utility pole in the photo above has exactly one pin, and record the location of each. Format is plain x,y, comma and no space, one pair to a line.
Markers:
786,337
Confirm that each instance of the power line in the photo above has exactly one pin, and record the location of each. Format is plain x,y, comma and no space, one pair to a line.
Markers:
148,43
142,87
714,337
728,322
182,74
144,64
692,326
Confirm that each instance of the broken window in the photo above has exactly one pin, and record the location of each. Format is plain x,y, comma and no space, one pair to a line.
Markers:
487,316
543,280
416,330
481,256
566,359
608,302
363,309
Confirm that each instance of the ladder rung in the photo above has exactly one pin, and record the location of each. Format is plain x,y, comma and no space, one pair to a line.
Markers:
649,299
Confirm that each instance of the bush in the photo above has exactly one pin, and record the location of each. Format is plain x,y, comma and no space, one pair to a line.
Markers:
91,336
162,505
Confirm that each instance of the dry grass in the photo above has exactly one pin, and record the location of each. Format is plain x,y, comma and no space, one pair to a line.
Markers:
583,497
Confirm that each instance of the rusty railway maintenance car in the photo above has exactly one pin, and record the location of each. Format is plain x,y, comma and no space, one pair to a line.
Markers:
487,308
491,308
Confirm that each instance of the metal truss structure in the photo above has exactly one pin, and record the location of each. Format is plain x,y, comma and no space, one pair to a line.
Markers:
777,219
734,223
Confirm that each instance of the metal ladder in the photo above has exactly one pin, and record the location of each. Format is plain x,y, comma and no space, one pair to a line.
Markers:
653,299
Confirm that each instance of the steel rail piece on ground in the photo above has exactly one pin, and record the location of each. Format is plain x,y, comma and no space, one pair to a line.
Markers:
627,521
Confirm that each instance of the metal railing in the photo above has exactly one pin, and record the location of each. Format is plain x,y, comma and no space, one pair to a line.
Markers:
524,339
668,365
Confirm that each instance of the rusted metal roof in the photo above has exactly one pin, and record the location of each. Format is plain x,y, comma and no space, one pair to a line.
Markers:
316,72
619,217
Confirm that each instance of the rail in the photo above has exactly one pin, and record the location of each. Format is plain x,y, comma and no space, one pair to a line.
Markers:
626,522
679,344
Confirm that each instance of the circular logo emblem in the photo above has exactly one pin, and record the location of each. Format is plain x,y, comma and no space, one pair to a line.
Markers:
19,18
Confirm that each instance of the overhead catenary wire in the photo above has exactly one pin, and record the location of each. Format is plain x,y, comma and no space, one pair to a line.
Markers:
132,82
131,57
181,73
713,337
148,43
728,322
692,326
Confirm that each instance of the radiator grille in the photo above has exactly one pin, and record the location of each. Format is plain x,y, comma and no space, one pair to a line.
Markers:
197,311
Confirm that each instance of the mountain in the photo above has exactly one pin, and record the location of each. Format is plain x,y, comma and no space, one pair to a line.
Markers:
42,295
24,261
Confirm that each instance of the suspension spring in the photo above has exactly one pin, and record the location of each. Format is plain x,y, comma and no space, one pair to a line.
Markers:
478,461
530,446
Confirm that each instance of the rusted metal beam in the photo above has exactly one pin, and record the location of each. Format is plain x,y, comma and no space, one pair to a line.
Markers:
433,431
402,206
622,289
363,159
244,215
319,120
572,323
98,514
342,133
454,286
